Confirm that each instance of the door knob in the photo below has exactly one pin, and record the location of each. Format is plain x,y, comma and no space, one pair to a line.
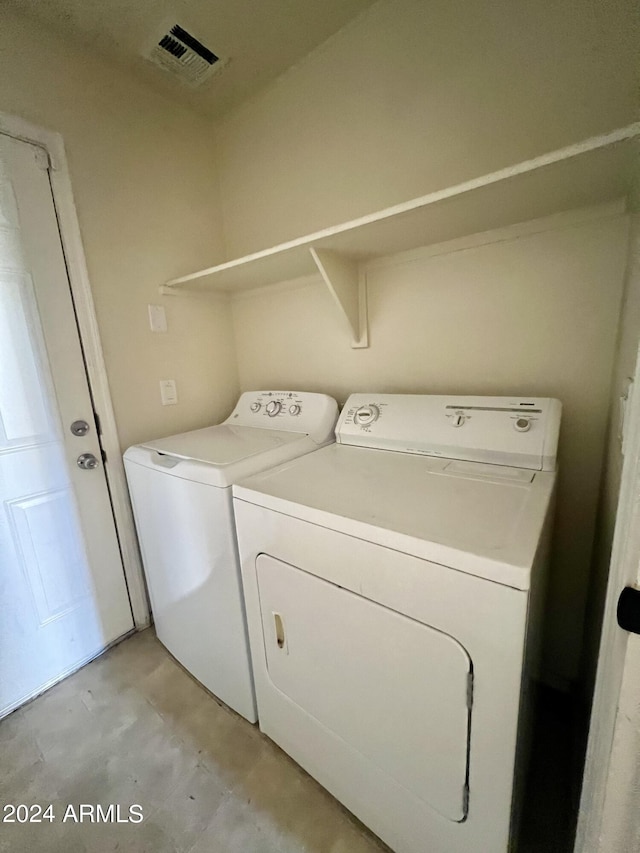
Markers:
79,428
628,611
87,461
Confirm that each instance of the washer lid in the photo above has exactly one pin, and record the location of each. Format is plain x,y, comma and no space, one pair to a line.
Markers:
219,455
485,520
221,445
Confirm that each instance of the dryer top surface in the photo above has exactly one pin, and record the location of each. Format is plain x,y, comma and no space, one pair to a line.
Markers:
486,520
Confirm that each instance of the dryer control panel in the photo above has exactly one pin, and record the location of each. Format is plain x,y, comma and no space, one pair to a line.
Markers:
518,431
293,411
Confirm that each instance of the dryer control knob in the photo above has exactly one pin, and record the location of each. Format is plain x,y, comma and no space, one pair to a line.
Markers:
522,424
366,415
255,407
295,409
273,408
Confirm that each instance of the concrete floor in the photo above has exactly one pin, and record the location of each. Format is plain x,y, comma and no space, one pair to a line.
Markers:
133,727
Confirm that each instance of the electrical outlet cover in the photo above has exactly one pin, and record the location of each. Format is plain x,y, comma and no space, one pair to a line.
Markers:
157,318
168,392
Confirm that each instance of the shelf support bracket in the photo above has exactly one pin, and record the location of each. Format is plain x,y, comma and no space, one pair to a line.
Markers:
348,286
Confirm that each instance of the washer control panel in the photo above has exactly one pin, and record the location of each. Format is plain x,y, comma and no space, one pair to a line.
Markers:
274,408
514,431
292,411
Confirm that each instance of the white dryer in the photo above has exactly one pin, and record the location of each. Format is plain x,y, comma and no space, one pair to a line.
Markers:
181,494
393,587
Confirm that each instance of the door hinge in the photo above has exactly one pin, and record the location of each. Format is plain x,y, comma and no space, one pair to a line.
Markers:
43,159
96,418
470,689
628,611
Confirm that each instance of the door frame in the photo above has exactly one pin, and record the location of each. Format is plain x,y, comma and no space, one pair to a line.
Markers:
52,144
623,572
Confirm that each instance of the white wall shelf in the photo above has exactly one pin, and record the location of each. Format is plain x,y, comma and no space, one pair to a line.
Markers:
596,170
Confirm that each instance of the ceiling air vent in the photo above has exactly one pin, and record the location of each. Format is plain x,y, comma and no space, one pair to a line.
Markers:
184,56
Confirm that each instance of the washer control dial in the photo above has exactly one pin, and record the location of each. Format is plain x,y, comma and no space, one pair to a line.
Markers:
366,415
458,419
295,409
255,407
522,424
274,407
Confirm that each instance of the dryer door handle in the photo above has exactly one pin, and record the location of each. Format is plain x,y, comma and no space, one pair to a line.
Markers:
279,626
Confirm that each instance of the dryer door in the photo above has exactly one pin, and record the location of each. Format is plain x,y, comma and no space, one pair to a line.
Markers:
392,688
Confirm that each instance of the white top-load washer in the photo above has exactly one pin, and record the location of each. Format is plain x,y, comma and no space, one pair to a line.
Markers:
181,494
393,588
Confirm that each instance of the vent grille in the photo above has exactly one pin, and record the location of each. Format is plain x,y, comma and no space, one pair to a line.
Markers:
181,54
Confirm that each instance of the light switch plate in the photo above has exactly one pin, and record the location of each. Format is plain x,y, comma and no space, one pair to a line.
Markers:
157,318
168,392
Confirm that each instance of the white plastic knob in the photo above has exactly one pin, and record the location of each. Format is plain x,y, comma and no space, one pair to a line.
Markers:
273,408
295,409
255,407
522,424
366,415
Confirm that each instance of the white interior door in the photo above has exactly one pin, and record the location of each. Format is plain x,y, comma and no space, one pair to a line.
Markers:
63,595
609,818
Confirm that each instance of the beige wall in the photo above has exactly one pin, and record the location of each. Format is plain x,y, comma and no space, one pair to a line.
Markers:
143,178
530,314
414,96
